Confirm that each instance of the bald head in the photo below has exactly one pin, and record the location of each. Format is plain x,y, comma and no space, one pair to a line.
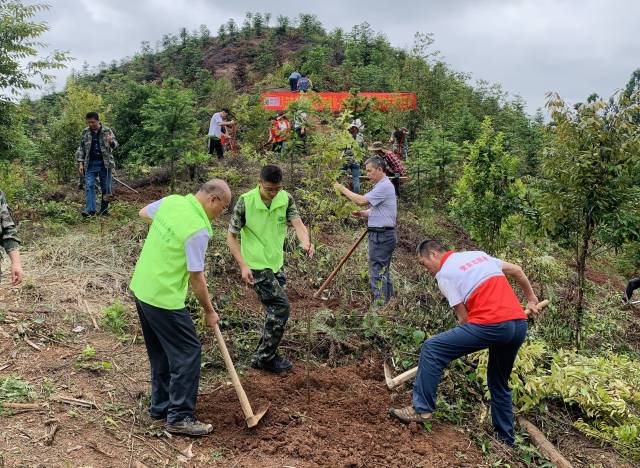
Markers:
215,197
217,188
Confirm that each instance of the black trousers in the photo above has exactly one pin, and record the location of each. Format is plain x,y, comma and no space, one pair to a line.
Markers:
174,354
631,286
215,145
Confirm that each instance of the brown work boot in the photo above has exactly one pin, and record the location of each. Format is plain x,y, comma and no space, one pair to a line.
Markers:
408,415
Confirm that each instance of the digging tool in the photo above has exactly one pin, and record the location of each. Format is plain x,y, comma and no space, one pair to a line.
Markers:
251,418
328,281
122,183
393,382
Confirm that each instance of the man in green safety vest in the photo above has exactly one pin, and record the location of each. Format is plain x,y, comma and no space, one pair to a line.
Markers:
173,255
260,218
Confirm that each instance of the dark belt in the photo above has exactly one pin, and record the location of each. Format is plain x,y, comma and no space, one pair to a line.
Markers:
380,229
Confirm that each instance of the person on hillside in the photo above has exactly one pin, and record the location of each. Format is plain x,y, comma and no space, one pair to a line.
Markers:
300,127
260,218
632,285
304,83
352,163
10,241
381,223
395,167
400,142
279,132
173,256
217,127
490,317
293,80
95,160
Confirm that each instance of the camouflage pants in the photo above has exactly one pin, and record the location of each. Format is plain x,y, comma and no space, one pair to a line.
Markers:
270,288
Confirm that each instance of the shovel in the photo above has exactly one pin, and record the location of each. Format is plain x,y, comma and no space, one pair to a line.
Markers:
393,382
251,418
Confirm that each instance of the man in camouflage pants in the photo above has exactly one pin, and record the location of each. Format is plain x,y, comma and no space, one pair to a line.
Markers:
96,161
261,217
9,240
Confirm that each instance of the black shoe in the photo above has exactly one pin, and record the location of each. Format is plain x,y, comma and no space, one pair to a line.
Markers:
87,214
277,365
104,213
189,426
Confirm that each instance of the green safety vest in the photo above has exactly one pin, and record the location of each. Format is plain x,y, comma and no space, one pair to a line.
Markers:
262,237
161,277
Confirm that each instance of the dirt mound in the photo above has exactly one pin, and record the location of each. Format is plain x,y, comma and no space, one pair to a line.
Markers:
345,424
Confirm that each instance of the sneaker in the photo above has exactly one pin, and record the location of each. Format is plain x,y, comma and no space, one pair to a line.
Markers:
276,365
408,415
86,214
189,426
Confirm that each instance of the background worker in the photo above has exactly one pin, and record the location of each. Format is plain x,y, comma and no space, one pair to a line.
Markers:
293,80
173,256
279,132
9,241
260,217
489,316
381,224
352,155
96,161
217,127
395,168
632,285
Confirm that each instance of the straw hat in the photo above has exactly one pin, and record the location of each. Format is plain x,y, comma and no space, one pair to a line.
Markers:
377,146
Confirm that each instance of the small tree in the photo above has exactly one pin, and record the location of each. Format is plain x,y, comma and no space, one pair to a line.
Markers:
589,185
489,190
168,116
435,157
282,25
232,30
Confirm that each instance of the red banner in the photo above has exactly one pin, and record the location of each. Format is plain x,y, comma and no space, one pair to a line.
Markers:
279,100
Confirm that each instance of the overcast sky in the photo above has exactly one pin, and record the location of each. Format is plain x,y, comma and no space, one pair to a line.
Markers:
574,47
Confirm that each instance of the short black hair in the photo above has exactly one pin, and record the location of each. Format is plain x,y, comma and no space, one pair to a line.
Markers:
430,245
226,109
92,115
271,173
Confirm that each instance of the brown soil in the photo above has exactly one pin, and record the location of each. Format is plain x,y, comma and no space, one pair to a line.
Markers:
345,424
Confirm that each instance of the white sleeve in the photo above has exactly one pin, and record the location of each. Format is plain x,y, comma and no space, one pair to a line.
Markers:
497,262
448,289
195,248
152,208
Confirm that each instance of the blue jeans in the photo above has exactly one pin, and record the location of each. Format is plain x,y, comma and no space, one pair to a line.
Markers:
503,340
96,169
355,175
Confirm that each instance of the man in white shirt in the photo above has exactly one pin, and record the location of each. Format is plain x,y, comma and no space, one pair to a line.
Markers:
216,128
490,317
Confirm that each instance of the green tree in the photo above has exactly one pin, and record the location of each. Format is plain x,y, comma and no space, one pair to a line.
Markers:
168,116
436,158
282,25
589,193
489,191
258,24
18,43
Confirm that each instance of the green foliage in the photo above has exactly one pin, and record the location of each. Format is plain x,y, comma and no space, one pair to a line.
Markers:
19,44
603,388
87,353
168,116
14,389
114,318
489,190
436,159
588,192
